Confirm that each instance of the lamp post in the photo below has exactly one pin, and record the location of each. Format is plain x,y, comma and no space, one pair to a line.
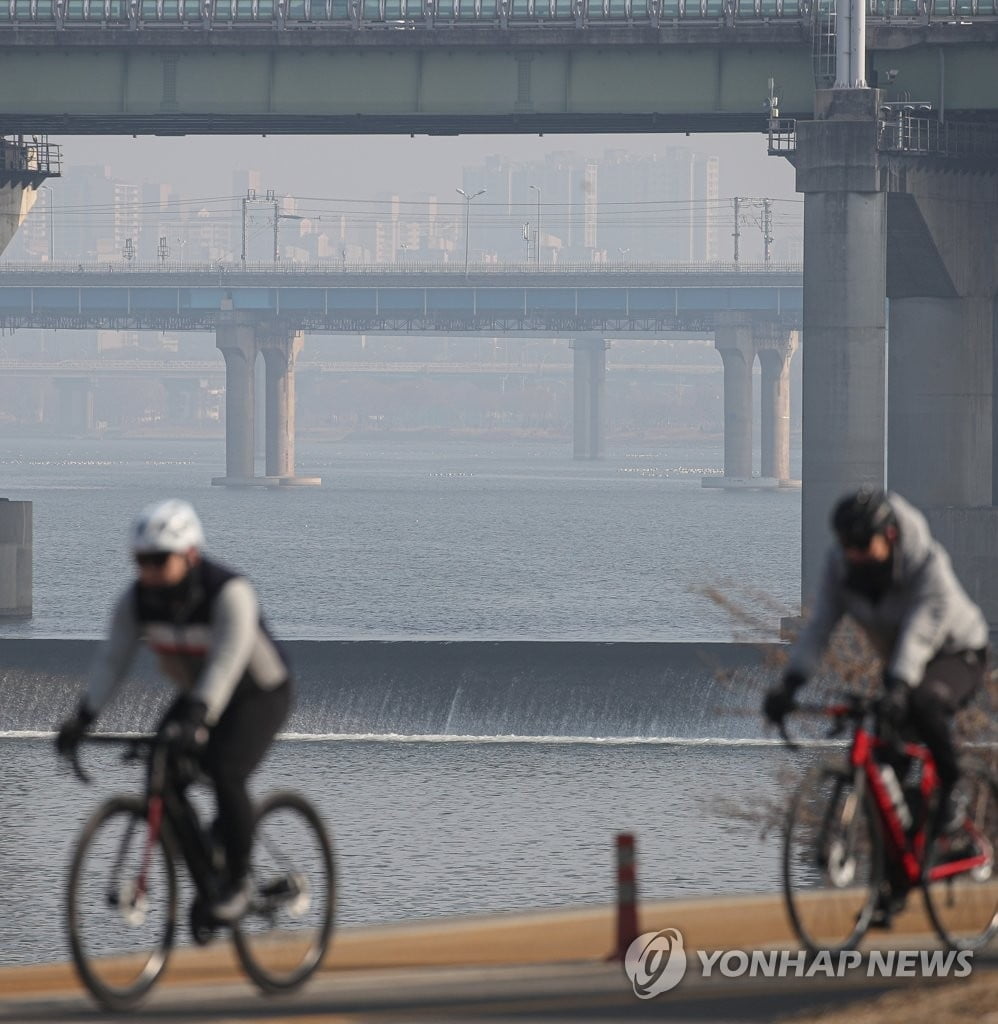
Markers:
51,213
467,221
537,228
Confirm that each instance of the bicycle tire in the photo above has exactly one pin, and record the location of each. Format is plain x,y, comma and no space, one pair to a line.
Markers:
111,981
970,898
832,840
267,937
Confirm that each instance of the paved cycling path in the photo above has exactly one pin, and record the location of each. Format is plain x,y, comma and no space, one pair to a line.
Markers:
539,965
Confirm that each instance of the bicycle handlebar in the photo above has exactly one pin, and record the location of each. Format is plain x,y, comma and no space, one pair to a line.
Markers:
850,707
135,743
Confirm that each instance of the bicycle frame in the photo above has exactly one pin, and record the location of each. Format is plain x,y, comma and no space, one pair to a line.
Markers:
168,809
909,851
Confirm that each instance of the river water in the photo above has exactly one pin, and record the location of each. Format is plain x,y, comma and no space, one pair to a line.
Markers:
464,541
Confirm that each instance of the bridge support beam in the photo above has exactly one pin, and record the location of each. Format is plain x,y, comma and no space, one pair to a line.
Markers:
845,319
16,200
76,405
589,384
236,339
775,354
280,350
16,549
733,340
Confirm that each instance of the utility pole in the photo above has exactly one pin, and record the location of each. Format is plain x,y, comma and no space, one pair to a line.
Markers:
526,237
736,233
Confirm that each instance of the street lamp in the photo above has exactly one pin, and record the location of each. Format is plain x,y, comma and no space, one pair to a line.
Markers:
537,229
51,212
467,221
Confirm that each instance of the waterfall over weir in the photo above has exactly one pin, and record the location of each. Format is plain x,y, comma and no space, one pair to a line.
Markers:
441,688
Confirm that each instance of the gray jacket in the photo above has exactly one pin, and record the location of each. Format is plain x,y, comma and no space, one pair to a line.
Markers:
925,611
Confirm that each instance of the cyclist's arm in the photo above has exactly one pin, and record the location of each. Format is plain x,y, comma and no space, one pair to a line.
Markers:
828,609
925,625
114,655
235,624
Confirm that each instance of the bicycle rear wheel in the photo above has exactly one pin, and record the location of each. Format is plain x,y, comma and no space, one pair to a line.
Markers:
285,934
121,904
964,906
832,859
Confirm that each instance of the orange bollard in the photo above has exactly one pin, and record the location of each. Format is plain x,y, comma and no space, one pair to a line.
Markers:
627,895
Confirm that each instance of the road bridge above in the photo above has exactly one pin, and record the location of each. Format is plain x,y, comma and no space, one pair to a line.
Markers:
465,66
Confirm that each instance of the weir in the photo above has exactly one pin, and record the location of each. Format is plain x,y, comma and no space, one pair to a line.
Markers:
440,688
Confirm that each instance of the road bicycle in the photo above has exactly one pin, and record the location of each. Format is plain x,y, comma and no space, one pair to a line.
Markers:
123,893
852,830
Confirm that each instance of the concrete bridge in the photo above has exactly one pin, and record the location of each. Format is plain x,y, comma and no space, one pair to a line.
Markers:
749,309
892,127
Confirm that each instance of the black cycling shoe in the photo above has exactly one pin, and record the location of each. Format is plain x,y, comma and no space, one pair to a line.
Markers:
890,901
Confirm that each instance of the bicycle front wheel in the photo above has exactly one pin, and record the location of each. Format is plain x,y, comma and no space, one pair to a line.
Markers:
832,860
285,934
121,904
960,882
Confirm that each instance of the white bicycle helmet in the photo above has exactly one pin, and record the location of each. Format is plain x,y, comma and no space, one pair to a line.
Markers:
171,525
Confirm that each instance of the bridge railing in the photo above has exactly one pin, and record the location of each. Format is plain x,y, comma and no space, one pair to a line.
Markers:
430,14
448,270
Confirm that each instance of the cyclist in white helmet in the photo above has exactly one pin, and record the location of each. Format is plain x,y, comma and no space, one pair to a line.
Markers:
204,623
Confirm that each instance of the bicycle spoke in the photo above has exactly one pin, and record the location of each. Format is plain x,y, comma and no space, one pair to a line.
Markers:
121,904
284,936
963,905
832,861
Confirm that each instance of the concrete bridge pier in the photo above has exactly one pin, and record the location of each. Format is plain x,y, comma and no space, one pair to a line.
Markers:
734,342
236,339
589,383
775,353
942,272
76,405
16,549
845,318
280,349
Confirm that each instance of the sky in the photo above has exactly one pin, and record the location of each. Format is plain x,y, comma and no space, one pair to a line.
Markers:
360,167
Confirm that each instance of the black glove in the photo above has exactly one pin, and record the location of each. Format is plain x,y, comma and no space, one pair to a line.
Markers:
186,730
781,700
892,707
71,731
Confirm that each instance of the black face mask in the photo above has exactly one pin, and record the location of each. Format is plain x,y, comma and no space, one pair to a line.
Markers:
172,598
871,579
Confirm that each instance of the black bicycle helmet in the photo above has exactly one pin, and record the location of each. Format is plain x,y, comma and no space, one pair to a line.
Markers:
859,516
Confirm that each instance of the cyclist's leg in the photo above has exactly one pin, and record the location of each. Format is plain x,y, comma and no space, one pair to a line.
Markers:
237,745
949,683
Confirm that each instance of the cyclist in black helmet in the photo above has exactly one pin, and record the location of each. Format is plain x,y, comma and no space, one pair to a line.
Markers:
895,581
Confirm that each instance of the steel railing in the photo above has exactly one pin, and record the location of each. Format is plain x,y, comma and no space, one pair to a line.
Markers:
416,14
450,271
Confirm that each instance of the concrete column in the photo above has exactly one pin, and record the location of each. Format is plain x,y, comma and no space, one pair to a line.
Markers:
237,342
845,323
939,419
774,360
76,405
280,351
16,200
589,381
16,546
733,340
